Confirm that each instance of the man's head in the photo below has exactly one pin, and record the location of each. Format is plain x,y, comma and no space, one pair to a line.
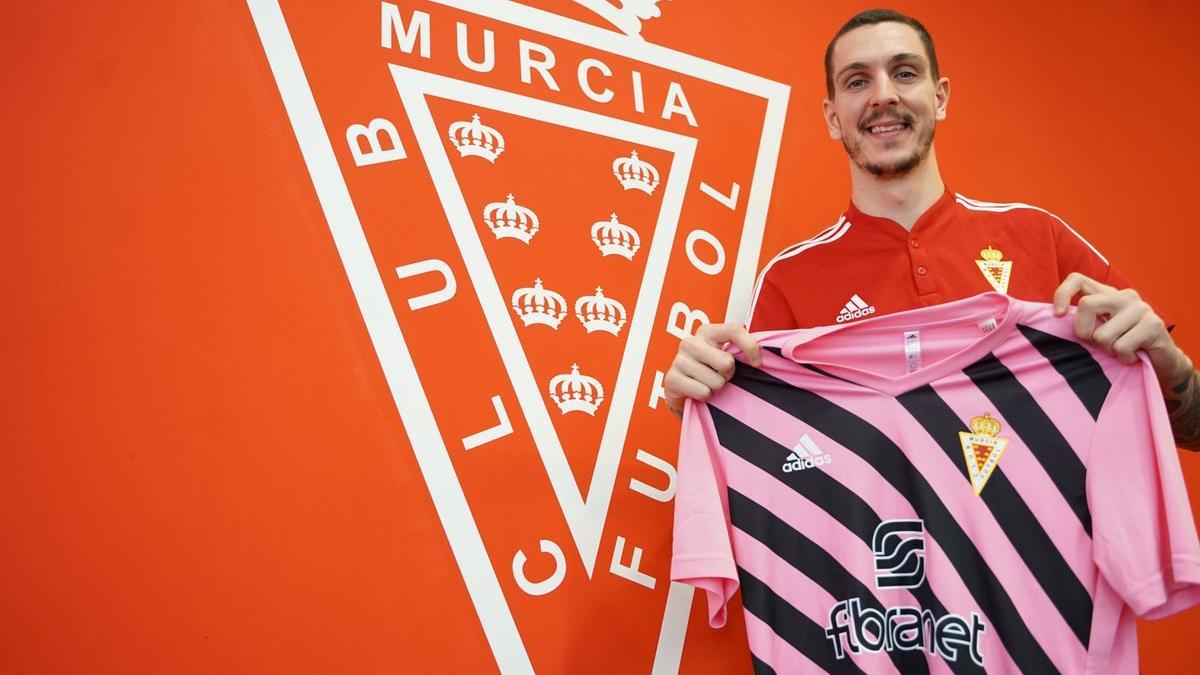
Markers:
885,92
871,17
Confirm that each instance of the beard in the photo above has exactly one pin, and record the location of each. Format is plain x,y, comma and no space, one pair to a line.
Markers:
897,167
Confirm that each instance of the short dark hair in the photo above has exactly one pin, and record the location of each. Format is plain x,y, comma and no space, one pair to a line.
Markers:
869,18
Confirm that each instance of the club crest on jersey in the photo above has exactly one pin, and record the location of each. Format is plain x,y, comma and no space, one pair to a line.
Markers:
995,269
982,449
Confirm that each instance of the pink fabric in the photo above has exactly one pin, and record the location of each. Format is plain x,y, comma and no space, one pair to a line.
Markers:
1142,555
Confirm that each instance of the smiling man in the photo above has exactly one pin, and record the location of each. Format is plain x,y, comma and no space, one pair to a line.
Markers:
907,241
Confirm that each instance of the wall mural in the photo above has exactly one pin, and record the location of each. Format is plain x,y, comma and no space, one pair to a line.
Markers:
531,211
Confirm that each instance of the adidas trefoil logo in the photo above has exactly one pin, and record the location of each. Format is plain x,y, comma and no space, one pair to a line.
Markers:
805,455
855,308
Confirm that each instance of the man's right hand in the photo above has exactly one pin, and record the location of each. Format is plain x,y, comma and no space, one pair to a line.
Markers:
701,366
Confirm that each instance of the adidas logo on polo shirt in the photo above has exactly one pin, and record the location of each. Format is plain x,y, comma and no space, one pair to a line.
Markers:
805,455
855,308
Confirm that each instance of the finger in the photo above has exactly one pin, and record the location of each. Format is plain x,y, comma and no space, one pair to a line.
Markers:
724,365
748,345
1091,309
718,333
703,374
1086,315
1126,347
700,349
1149,335
1118,325
678,384
1073,285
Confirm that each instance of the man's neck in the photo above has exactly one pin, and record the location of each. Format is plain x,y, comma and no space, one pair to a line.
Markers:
899,198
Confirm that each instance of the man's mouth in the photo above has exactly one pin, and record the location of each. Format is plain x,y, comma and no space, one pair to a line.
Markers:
887,128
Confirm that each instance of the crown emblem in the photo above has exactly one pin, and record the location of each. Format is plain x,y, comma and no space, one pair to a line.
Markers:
473,138
616,238
628,19
600,313
635,174
509,219
538,305
985,426
995,269
576,393
982,449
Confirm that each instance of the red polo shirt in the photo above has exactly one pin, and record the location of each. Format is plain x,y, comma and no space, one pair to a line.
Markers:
865,265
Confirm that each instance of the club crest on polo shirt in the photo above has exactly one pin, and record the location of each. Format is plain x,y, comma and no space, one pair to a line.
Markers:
855,308
982,449
995,269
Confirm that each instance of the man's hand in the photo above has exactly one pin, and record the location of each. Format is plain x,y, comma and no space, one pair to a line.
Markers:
701,366
1121,323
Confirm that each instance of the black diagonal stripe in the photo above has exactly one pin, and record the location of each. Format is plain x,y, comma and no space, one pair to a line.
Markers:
1041,555
774,350
760,666
1030,422
828,374
857,435
817,487
813,561
791,624
831,496
1075,363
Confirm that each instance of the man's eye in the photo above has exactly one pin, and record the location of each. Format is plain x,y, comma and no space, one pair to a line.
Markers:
906,75
856,83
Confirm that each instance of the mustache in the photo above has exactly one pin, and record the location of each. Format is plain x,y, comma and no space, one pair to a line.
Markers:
876,116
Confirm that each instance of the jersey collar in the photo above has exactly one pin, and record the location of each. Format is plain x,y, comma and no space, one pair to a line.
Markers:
937,212
974,309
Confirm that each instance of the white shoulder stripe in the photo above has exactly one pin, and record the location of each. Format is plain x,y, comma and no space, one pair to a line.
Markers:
816,237
976,205
829,234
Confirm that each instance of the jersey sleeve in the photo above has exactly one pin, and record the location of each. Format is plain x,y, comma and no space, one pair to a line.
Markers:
1144,537
702,555
769,308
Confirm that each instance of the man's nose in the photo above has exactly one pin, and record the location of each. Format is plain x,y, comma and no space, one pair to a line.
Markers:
883,92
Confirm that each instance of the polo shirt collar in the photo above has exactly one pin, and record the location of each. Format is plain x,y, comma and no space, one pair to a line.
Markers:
936,212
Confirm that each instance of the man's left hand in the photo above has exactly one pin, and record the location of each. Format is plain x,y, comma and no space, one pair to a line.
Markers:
1122,324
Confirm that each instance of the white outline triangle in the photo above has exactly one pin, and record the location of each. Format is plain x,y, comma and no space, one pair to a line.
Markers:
585,515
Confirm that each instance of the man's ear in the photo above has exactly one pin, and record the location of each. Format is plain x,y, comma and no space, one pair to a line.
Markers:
832,123
941,98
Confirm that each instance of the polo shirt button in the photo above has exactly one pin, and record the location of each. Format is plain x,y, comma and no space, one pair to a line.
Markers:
914,243
922,271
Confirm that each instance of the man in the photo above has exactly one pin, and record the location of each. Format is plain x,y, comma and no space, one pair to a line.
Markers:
906,241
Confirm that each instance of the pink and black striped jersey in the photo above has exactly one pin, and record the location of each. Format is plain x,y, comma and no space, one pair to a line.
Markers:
956,488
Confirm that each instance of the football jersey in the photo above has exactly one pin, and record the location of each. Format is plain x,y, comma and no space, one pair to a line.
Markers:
866,265
957,488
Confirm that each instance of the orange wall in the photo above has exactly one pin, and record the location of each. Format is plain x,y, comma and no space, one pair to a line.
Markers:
197,472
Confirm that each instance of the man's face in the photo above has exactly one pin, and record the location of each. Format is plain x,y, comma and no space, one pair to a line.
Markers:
885,100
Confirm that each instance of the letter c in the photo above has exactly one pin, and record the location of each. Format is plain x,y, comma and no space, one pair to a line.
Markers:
548,584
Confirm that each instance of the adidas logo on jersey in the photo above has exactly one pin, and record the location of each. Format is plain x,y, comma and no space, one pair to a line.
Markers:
855,308
805,455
